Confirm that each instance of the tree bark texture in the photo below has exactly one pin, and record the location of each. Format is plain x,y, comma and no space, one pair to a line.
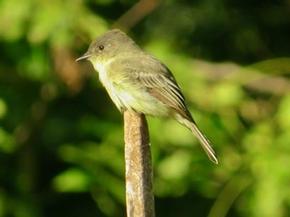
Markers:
139,189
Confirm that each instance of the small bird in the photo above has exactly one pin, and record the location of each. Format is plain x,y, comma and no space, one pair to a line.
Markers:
135,80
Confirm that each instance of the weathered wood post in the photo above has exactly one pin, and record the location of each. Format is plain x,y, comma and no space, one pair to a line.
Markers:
139,188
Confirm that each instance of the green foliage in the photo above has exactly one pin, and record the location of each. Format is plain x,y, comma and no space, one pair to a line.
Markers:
61,139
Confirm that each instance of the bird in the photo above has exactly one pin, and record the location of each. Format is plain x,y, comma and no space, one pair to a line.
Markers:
137,81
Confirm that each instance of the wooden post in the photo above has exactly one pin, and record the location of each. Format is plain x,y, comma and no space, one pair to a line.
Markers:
139,190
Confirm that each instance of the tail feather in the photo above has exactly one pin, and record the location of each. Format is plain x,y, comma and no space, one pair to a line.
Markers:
205,144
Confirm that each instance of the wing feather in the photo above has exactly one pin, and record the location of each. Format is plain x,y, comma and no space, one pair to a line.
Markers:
147,72
164,87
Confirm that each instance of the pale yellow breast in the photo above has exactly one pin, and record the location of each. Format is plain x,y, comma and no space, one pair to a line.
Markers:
107,82
133,97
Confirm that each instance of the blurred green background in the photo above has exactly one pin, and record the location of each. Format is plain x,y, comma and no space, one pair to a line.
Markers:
61,138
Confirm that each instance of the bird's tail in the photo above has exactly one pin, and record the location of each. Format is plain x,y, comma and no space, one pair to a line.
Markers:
205,144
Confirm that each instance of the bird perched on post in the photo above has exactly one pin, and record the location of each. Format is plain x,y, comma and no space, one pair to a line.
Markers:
137,81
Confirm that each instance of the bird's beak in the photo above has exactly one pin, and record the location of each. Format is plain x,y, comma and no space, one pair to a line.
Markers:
85,56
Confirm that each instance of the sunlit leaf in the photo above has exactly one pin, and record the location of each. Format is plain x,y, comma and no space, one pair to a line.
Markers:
71,180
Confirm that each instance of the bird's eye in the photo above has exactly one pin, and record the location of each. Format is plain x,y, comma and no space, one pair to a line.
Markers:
101,47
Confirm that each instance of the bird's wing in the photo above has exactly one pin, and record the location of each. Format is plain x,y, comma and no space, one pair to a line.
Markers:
161,84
